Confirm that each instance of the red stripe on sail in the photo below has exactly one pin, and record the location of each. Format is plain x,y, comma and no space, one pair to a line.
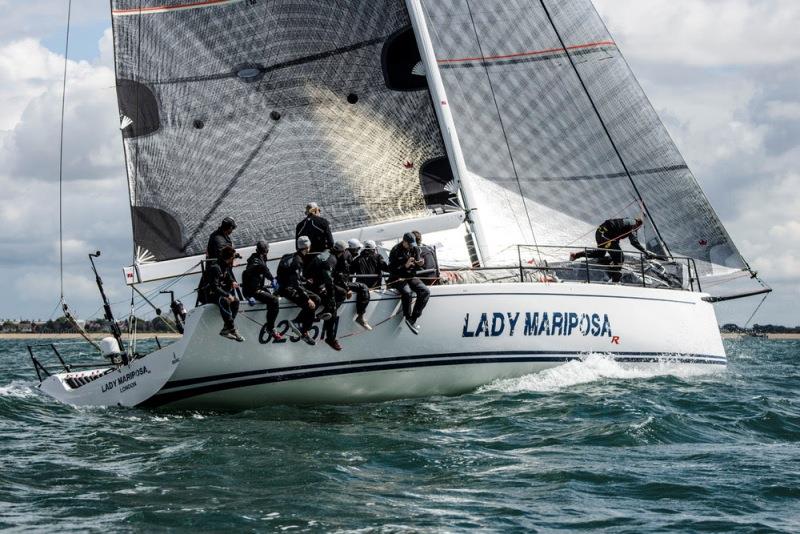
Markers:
529,53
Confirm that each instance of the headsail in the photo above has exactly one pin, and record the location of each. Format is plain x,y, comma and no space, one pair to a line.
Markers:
558,135
254,108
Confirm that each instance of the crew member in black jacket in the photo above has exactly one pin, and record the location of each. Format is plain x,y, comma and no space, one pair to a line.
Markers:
292,286
316,228
253,285
608,235
404,260
429,262
220,239
320,279
369,262
217,285
344,284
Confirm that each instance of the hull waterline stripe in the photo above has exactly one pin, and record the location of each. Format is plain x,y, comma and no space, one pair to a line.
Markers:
622,356
166,397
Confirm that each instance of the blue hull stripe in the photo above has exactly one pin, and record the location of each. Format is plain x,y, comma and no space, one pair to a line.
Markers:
301,372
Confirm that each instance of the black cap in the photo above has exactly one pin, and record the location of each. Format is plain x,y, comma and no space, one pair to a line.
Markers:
227,222
410,238
262,247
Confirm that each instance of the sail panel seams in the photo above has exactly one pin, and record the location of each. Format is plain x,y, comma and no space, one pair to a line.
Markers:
266,106
566,161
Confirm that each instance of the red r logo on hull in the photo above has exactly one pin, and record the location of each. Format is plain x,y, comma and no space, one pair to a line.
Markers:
615,340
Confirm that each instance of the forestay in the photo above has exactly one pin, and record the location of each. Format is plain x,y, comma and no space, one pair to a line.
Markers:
253,108
559,137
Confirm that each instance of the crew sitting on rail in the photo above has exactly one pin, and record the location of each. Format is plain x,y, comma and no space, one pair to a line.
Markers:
608,236
218,285
343,279
404,261
429,262
292,286
255,289
316,228
353,248
319,279
369,262
220,239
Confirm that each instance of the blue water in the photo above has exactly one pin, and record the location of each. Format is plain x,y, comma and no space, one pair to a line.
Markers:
587,446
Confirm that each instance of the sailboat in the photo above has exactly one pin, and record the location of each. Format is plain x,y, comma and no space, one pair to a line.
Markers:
509,130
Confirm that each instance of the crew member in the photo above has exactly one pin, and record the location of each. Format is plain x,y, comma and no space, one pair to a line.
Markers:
318,271
343,280
353,248
429,262
217,285
254,288
608,236
369,262
220,239
316,228
404,261
291,286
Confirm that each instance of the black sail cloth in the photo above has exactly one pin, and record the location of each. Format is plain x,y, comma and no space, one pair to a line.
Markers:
254,108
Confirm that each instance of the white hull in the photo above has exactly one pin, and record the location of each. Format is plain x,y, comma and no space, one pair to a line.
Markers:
471,335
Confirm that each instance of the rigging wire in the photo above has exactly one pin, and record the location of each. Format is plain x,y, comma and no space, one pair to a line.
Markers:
61,159
603,124
755,311
503,127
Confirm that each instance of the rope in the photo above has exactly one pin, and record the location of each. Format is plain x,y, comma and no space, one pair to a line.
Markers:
502,127
756,310
61,158
78,327
603,124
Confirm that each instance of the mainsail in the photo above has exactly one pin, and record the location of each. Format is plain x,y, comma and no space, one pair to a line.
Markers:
557,134
253,108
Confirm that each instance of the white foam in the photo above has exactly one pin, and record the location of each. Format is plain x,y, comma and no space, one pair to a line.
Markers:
593,368
18,389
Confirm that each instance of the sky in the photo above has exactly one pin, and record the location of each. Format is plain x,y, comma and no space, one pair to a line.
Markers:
722,74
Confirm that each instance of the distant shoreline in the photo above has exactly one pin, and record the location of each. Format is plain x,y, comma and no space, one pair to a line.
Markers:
731,335
93,335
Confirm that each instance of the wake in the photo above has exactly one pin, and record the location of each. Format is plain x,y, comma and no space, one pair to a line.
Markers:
593,368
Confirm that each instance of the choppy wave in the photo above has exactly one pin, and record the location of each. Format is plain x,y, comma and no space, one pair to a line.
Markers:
591,444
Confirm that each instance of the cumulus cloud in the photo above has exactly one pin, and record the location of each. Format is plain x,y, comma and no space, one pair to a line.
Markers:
96,213
725,87
706,33
723,75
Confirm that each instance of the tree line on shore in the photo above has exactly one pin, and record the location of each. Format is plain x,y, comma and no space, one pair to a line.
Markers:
62,325
732,328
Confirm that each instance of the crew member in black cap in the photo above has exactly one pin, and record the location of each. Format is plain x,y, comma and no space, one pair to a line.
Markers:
255,289
404,260
316,228
220,238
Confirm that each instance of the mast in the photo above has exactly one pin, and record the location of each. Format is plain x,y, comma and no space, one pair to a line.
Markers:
448,127
603,124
